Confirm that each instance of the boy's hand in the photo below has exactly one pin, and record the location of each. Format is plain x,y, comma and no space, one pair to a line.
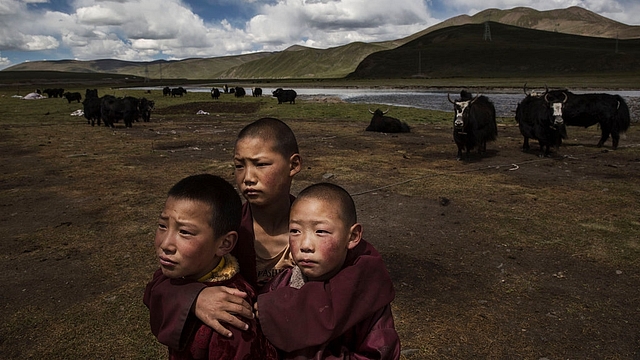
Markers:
255,309
219,304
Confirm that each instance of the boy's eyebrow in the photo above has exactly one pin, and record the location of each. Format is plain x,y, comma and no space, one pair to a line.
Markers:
314,222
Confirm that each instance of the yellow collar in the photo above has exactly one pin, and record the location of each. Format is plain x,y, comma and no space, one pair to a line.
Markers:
225,270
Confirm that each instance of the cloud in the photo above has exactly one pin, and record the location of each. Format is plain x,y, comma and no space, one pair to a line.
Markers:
150,29
4,62
326,23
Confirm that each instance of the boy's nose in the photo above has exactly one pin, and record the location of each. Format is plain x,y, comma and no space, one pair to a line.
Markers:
167,245
249,176
306,245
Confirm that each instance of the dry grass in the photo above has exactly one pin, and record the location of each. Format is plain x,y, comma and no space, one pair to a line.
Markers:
520,263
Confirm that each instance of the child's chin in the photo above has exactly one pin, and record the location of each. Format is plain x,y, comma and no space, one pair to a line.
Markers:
170,274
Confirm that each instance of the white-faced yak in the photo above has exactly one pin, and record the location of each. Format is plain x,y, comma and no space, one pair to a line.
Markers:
474,123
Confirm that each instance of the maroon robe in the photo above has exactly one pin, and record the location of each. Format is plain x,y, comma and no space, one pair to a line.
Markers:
202,342
170,302
348,316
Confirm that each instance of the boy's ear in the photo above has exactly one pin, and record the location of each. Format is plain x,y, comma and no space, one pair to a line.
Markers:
295,163
355,235
227,244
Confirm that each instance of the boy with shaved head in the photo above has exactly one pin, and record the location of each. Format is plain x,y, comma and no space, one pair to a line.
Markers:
266,158
325,239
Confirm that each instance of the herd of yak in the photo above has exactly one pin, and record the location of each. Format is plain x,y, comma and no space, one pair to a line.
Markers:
541,115
110,109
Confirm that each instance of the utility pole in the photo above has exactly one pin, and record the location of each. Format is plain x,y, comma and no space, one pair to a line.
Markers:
487,32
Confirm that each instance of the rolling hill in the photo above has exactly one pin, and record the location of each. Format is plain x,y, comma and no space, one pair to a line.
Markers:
462,51
592,31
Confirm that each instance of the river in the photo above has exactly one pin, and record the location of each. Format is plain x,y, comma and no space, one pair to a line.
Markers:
505,103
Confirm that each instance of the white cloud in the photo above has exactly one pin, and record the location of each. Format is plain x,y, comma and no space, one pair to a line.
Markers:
148,29
4,62
326,23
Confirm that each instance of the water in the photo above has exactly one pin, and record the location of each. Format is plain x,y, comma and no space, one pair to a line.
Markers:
505,103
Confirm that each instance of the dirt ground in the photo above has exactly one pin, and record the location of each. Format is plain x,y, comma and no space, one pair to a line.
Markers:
506,256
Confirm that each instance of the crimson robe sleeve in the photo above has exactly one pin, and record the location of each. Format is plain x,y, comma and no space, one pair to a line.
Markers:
170,301
318,312
382,340
169,304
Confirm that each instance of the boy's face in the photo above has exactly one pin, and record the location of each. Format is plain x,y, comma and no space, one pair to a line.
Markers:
319,239
184,242
263,175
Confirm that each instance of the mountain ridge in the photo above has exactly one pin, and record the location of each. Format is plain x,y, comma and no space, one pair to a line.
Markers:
304,62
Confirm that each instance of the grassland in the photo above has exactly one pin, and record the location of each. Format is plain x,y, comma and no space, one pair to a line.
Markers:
506,256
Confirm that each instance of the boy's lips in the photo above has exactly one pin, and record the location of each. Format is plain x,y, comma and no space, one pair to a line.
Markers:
166,261
305,262
251,191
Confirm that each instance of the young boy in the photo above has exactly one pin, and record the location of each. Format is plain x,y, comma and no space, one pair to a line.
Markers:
266,159
324,237
196,232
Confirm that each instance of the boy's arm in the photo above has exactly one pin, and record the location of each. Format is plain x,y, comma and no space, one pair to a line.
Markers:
170,304
318,312
381,338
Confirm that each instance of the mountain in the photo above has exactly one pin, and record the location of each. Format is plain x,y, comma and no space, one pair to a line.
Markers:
196,68
303,62
496,50
574,20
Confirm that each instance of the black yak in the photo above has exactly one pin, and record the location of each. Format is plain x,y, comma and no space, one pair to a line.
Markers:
474,123
381,123
609,111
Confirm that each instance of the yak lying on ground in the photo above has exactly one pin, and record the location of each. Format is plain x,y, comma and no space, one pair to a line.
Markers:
540,118
73,96
285,96
474,123
215,93
609,111
386,124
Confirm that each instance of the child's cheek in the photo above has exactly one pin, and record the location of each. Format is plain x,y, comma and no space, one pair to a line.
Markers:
330,247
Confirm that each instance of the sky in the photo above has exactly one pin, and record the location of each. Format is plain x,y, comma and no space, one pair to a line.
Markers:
145,30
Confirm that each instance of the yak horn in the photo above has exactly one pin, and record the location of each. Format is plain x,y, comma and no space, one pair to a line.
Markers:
386,111
449,98
525,89
370,110
566,97
474,99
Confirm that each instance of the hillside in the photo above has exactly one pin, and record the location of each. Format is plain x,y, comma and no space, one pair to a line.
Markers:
574,20
459,51
206,68
303,62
